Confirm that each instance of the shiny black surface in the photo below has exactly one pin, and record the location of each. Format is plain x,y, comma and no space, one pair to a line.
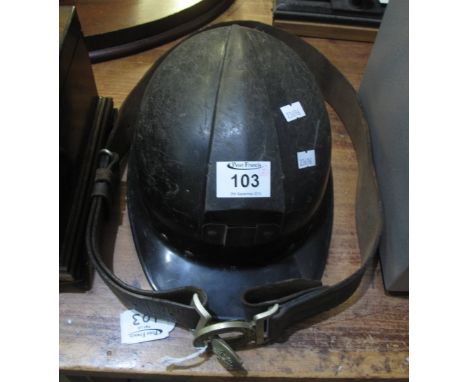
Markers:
215,98
166,267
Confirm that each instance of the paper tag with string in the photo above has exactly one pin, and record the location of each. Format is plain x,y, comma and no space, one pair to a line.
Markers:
136,327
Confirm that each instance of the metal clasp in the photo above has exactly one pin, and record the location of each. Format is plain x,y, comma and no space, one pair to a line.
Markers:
219,334
261,322
237,331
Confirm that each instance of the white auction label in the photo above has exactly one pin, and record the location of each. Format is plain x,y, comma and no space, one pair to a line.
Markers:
293,111
242,179
136,327
306,159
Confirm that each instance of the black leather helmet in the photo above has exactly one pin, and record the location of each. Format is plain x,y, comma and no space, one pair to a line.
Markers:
229,186
229,165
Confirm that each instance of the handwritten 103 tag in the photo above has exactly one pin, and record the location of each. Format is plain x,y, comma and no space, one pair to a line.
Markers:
136,327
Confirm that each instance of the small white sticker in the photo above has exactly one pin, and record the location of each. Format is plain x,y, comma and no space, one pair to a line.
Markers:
136,327
241,179
293,111
306,159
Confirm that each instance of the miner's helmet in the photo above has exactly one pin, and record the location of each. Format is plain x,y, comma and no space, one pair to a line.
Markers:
229,179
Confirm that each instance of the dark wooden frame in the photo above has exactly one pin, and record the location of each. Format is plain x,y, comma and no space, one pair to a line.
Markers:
126,41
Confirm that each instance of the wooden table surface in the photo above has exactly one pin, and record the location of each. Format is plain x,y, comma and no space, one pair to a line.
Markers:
367,337
136,12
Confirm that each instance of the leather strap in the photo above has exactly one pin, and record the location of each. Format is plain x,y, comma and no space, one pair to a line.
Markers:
297,299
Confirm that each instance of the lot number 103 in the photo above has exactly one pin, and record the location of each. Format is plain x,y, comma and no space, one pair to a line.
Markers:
246,180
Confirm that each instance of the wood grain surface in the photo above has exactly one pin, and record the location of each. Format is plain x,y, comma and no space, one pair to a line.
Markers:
327,30
65,14
365,338
102,16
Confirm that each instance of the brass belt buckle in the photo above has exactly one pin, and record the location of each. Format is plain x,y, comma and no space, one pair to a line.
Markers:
234,332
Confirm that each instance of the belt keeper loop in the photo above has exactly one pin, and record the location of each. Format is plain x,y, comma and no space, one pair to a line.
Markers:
103,175
104,178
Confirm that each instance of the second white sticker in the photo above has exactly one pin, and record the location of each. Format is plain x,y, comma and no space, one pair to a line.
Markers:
306,159
243,179
293,111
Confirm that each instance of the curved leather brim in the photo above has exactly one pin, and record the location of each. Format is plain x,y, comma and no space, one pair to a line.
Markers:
165,267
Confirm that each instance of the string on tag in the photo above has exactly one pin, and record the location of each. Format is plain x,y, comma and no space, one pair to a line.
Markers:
172,361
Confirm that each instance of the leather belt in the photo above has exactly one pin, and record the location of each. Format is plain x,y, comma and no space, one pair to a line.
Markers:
273,307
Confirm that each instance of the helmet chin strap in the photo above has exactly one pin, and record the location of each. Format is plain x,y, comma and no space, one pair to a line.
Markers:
273,307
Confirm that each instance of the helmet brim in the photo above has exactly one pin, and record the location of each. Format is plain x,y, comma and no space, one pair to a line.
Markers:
167,267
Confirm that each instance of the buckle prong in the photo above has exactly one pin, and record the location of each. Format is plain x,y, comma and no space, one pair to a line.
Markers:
205,316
